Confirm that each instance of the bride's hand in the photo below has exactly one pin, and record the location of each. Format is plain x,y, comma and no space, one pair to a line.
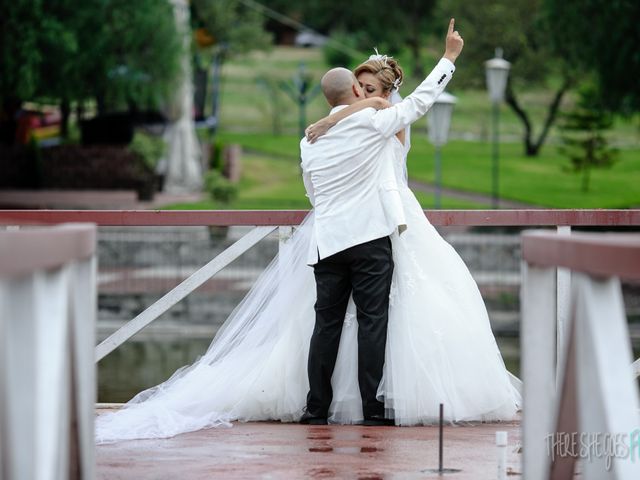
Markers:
380,103
318,129
453,43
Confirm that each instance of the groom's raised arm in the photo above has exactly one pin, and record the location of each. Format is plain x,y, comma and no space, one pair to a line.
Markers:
391,120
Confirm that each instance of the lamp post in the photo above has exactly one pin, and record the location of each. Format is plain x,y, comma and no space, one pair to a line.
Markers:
497,70
439,120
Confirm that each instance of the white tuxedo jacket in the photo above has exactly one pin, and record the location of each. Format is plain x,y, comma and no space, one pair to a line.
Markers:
348,172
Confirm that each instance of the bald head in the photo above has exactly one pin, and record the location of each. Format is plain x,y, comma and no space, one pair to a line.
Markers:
337,86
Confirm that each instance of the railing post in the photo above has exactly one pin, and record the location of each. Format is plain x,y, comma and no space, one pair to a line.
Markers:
83,326
607,395
181,291
563,307
47,377
4,446
538,348
596,412
284,234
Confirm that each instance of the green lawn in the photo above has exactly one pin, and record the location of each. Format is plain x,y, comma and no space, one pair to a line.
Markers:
275,183
246,106
271,172
467,166
541,180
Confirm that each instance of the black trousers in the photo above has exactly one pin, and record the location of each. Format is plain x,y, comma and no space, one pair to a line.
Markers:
365,270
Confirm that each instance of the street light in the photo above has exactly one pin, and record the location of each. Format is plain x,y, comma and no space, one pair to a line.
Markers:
497,70
439,120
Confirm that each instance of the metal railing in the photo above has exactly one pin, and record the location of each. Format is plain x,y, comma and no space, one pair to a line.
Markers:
580,397
47,337
563,340
266,221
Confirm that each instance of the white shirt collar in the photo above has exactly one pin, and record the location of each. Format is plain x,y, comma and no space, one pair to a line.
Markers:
337,108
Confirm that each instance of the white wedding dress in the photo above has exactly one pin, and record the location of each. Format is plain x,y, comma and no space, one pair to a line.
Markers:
440,348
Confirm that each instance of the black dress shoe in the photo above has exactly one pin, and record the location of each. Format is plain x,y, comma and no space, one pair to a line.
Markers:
308,419
378,421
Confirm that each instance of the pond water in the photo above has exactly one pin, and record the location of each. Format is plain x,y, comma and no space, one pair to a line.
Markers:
139,265
138,365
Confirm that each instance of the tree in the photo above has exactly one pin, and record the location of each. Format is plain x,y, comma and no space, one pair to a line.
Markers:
121,53
389,26
141,52
225,27
601,36
67,29
583,140
19,60
232,24
519,27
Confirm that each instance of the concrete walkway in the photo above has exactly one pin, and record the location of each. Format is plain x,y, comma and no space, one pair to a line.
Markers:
468,196
269,450
89,199
430,188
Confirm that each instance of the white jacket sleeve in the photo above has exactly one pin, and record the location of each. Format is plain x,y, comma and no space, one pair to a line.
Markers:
391,120
308,186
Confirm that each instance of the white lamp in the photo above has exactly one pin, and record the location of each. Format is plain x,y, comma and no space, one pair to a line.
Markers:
497,71
439,121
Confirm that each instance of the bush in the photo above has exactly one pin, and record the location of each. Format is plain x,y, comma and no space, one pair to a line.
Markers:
215,160
150,149
219,188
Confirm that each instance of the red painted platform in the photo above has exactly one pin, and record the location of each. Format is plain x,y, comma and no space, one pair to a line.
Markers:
265,450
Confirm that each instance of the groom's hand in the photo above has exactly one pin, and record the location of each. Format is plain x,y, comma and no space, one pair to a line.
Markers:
453,44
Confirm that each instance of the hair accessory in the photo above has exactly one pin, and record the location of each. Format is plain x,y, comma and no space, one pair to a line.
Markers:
377,56
383,58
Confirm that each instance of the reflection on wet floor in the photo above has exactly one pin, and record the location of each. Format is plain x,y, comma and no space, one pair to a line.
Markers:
321,449
322,442
292,451
349,450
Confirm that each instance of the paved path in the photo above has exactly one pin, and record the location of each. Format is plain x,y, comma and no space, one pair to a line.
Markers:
479,198
270,450
127,199
430,188
89,199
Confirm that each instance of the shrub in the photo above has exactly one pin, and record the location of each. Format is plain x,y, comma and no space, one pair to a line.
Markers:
219,188
149,148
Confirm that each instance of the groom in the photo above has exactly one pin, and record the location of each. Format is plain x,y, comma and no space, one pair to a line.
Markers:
350,182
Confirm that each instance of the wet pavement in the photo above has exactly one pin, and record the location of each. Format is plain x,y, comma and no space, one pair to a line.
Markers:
266,450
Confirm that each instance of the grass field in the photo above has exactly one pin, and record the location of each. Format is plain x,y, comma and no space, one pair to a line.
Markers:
467,166
275,183
257,114
246,106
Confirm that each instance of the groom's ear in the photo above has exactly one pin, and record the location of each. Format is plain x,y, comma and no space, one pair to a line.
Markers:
356,91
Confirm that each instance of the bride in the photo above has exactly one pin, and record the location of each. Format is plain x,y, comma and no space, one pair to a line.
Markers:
440,347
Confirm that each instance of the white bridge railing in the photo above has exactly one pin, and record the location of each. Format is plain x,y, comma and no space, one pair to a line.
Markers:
580,391
574,332
47,338
181,291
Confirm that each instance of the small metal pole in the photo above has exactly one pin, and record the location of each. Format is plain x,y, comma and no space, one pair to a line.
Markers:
496,158
441,470
440,446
